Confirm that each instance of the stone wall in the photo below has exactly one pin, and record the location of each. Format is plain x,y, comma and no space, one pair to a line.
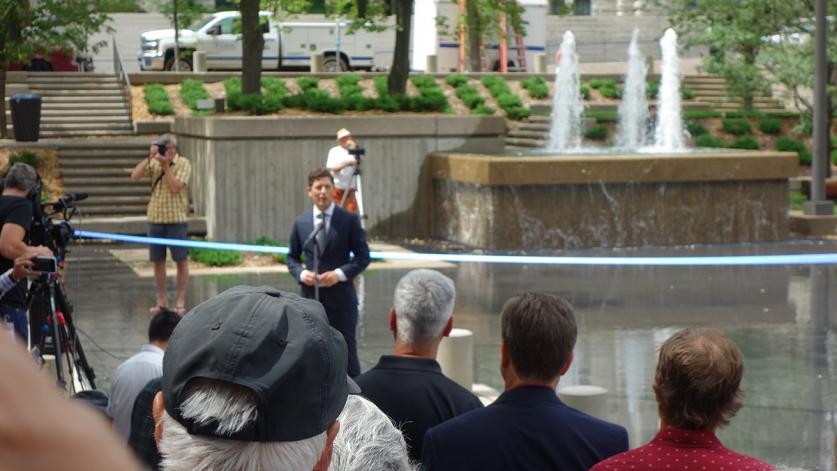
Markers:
249,173
565,202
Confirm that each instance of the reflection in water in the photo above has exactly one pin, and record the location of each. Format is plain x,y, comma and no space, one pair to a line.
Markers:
780,317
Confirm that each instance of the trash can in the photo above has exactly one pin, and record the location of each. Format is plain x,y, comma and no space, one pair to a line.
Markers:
26,116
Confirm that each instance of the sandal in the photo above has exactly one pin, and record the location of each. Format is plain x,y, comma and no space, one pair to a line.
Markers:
180,310
153,310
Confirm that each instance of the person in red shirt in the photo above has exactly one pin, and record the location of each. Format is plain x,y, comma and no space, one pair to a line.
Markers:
698,389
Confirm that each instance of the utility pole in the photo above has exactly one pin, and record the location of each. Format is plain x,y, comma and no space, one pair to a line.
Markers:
818,205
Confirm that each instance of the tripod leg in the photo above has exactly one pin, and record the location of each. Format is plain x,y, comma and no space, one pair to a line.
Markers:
359,197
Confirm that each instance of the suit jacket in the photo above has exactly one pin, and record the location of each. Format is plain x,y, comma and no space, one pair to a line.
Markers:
526,428
345,237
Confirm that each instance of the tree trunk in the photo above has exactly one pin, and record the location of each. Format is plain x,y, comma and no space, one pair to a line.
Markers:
474,36
361,9
400,70
252,44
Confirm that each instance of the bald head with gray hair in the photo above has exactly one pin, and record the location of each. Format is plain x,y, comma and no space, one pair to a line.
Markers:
21,177
168,139
423,304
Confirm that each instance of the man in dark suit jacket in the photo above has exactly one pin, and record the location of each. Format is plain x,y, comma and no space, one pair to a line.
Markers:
342,236
528,427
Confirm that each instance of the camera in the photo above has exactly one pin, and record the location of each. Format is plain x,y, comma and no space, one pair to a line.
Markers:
357,152
45,264
161,149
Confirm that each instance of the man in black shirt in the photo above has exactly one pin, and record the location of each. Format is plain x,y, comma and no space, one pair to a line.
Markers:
15,217
409,386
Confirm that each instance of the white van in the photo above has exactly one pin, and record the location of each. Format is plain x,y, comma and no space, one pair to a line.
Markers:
287,45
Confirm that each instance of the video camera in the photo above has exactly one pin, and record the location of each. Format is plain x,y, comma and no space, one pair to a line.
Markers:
357,153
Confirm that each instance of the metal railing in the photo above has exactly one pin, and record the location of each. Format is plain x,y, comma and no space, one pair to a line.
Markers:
122,76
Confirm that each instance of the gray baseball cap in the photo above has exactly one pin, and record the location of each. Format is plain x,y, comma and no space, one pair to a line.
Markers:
276,344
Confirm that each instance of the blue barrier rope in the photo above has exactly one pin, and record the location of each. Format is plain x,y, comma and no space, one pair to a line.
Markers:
731,260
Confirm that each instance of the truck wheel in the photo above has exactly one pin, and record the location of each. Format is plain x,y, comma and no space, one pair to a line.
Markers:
330,64
185,64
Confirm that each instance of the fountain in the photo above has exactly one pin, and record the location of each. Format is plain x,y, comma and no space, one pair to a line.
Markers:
635,194
633,110
567,106
668,135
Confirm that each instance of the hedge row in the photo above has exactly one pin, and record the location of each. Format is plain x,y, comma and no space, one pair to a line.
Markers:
536,86
504,97
191,91
157,100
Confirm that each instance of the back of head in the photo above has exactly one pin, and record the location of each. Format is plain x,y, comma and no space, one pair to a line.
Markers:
539,332
22,177
698,379
423,303
162,325
231,408
368,440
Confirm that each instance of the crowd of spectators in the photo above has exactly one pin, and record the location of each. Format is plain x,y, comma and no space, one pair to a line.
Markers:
256,379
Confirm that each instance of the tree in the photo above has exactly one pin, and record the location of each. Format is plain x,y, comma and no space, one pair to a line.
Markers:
252,43
179,13
28,27
734,34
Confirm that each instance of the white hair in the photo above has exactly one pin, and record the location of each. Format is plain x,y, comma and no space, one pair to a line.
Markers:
234,408
368,440
423,304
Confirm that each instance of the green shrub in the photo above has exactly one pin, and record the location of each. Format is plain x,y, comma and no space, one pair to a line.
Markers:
516,112
473,101
157,99
307,83
388,104
456,80
160,107
424,81
191,91
770,125
380,83
686,93
350,90
736,126
528,82
320,100
508,100
584,91
787,144
652,88
602,116
267,241
274,86
611,92
536,86
25,157
598,132
707,140
483,110
701,114
214,257
745,142
347,79
696,129
496,85
359,103
796,200
599,83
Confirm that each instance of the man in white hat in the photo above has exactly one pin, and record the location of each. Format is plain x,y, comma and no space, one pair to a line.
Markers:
342,164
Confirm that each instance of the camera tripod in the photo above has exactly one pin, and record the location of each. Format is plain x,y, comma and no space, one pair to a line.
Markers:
52,331
357,185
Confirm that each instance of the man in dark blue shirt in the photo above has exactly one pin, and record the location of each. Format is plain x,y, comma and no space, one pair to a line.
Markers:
409,386
528,427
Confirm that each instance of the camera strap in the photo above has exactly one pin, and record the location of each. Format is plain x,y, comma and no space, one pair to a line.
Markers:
157,181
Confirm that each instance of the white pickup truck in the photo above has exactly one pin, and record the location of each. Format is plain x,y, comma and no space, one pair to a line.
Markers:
287,45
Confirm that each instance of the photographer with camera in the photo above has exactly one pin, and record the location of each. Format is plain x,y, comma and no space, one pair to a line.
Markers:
23,268
168,209
342,164
20,190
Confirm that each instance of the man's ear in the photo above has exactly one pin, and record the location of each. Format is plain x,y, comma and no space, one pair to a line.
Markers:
567,366
325,458
393,323
157,408
448,327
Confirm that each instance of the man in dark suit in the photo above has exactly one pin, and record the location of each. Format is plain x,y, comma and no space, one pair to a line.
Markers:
528,427
340,236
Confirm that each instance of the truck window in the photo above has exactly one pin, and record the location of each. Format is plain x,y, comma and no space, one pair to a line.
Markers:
227,26
201,23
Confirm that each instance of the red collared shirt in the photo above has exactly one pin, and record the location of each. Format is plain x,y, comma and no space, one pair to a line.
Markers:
687,450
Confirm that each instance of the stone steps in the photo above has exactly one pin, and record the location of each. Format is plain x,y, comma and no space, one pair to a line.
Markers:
87,171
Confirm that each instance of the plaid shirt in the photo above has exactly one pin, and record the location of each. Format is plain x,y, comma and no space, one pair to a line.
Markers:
6,282
166,206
